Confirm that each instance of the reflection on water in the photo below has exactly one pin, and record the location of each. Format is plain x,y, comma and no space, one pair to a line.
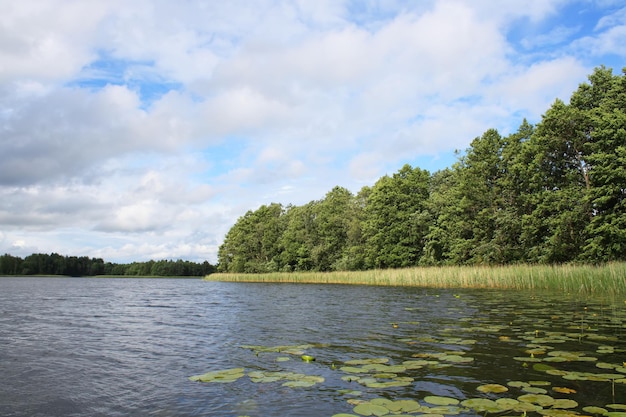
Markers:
119,347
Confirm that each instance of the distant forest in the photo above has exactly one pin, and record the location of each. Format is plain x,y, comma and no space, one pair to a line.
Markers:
554,192
55,264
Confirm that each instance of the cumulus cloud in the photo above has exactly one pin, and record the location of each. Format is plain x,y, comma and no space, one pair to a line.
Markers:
137,130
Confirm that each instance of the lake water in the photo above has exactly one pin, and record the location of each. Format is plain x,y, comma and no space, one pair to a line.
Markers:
127,347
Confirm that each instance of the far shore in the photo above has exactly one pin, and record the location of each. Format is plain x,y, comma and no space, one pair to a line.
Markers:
103,276
606,279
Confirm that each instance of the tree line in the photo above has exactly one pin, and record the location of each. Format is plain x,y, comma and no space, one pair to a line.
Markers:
554,192
55,264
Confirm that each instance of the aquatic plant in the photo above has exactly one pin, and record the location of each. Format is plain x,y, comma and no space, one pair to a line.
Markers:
568,279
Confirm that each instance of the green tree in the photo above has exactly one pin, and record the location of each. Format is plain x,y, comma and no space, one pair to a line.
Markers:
395,219
604,101
252,244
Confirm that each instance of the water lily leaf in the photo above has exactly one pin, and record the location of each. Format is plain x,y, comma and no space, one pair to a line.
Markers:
405,406
615,414
534,390
436,400
282,359
456,358
553,412
563,390
415,364
388,384
353,370
542,367
506,404
385,375
564,403
527,407
225,375
350,392
481,404
540,383
495,388
594,410
540,399
518,384
369,409
617,406
605,365
446,410
385,402
344,415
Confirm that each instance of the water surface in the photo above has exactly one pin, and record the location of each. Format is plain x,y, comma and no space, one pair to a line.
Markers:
120,347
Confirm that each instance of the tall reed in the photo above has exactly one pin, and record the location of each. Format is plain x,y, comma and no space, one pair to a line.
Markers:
584,279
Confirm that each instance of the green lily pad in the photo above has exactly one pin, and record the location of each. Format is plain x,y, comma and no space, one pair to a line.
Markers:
594,410
617,406
492,388
446,410
225,375
456,358
436,400
539,399
564,403
535,390
542,367
481,404
405,406
506,404
369,409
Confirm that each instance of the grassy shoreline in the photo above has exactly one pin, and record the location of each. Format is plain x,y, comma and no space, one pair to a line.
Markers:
573,279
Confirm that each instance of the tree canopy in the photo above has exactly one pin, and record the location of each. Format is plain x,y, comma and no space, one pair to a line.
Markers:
550,193
55,264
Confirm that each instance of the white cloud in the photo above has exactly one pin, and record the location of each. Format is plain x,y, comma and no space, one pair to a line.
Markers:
273,101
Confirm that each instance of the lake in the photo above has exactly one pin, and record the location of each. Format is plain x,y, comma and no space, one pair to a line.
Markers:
122,347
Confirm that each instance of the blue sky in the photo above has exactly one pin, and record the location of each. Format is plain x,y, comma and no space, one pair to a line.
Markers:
143,130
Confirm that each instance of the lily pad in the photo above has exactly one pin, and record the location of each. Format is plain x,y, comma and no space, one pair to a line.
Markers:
481,404
436,400
369,409
225,375
594,410
564,390
564,403
492,388
506,404
535,390
539,399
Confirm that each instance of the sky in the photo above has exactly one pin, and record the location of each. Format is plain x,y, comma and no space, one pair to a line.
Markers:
138,130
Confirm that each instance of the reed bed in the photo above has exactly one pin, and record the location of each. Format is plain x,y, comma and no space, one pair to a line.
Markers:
607,279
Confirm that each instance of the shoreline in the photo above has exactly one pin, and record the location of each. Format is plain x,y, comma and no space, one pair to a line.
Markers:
609,279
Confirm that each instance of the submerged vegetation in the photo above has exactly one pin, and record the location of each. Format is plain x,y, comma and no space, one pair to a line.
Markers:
551,193
572,279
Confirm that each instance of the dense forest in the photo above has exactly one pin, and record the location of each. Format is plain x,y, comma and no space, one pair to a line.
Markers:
553,192
55,264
